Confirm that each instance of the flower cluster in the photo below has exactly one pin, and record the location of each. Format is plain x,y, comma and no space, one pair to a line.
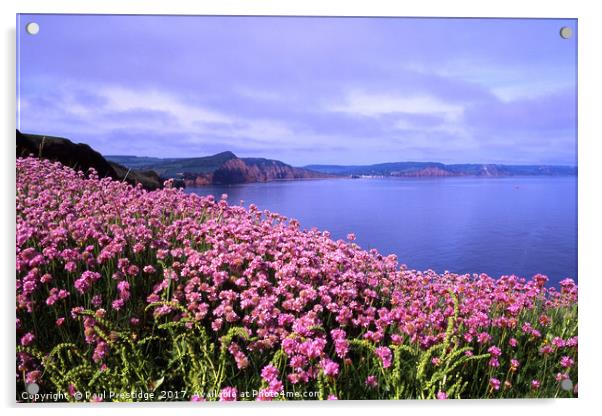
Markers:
85,243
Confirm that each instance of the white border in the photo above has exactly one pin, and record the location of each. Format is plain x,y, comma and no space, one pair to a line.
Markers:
590,207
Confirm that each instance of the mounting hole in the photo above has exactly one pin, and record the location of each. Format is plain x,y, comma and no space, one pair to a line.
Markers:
32,388
566,385
566,32
32,28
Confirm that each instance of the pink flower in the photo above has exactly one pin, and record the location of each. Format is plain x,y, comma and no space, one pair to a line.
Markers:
148,269
27,339
535,384
269,373
483,338
558,342
561,376
96,300
546,349
494,383
162,310
33,376
494,362
332,397
540,279
330,368
371,382
494,351
117,304
441,395
86,280
384,353
100,351
123,286
566,361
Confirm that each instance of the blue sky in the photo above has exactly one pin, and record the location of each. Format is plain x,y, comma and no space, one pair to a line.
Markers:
304,90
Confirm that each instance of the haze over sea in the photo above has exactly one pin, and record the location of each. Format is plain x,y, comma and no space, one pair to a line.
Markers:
498,226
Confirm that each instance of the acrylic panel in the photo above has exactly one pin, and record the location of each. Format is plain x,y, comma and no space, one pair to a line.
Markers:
295,208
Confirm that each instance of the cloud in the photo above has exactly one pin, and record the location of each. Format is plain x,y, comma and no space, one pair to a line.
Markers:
369,105
305,90
125,99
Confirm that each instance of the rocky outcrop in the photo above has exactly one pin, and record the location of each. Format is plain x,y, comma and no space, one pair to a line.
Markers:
249,170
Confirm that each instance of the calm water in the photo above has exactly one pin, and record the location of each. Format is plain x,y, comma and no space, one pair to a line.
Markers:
497,226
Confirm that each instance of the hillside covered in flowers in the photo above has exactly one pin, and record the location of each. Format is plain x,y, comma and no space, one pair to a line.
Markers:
128,294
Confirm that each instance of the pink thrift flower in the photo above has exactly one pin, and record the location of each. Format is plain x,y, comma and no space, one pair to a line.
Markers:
148,269
117,304
269,373
371,382
494,362
566,361
96,300
494,351
558,342
561,376
483,338
546,349
384,353
33,376
330,368
27,339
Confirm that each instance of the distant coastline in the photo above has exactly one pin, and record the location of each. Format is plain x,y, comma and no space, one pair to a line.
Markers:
226,168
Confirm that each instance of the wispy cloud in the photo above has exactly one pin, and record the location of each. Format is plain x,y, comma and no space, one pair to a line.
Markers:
369,104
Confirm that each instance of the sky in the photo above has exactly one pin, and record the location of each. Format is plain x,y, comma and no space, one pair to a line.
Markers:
304,90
